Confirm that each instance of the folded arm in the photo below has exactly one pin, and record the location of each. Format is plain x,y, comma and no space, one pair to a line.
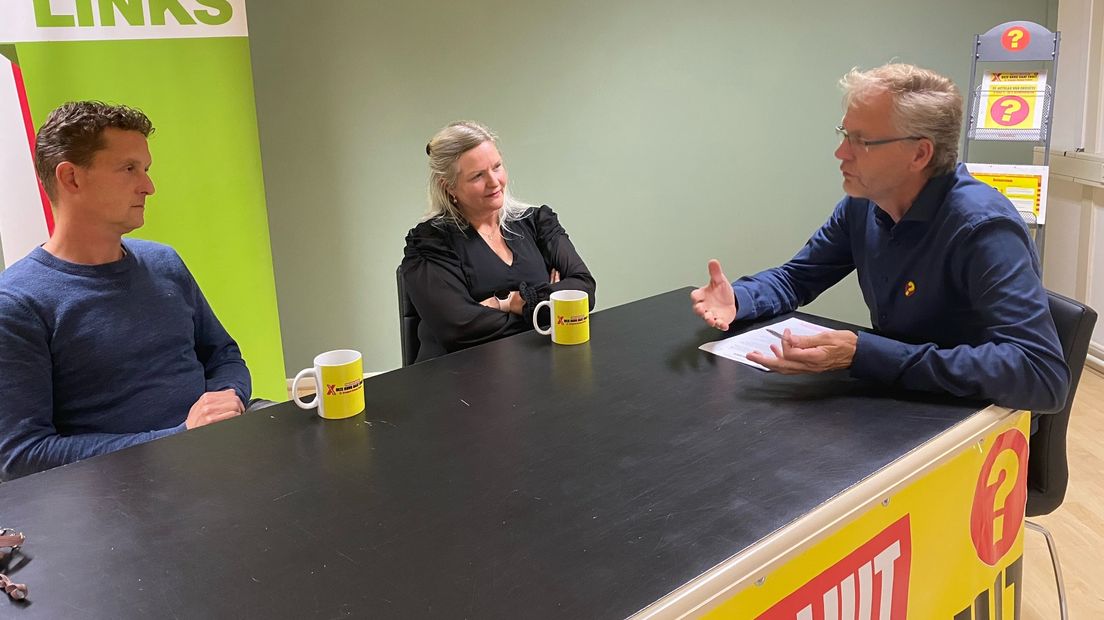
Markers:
561,257
434,280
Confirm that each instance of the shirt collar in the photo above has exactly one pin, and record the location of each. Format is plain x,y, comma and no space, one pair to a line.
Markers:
123,265
927,202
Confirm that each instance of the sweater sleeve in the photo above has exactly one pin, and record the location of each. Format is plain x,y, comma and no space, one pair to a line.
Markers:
434,279
559,254
1019,363
29,442
222,361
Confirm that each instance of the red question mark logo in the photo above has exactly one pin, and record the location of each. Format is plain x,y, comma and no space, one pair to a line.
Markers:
1000,497
1015,39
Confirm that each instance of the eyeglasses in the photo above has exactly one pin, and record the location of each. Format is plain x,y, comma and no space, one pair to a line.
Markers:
865,145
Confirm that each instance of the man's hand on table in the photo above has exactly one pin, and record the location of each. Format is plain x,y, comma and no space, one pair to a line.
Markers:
831,350
214,407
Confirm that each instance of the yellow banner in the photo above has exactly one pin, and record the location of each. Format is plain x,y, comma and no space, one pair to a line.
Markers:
950,545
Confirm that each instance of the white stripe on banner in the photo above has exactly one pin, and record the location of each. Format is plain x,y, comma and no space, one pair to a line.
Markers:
24,21
22,221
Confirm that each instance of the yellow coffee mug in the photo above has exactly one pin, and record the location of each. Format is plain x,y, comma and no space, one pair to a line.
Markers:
570,317
339,378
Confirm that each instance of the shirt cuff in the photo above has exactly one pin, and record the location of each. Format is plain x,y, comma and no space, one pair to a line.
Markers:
878,358
745,307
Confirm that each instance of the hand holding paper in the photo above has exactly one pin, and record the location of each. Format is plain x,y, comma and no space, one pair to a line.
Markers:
797,347
829,350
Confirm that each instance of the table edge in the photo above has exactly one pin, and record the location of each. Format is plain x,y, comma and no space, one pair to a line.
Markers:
723,581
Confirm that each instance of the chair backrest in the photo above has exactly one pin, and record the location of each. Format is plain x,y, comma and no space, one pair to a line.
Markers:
408,324
1047,469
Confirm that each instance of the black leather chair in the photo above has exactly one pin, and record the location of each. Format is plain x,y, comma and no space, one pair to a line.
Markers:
408,324
1047,467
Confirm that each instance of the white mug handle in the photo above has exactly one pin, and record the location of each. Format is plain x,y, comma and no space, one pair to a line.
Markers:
295,389
551,319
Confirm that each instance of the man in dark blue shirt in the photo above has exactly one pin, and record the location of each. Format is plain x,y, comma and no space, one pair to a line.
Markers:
945,263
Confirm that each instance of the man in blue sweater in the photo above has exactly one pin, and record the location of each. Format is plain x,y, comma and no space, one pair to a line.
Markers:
944,261
104,342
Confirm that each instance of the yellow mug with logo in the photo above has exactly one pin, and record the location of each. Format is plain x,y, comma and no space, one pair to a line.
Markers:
339,379
570,317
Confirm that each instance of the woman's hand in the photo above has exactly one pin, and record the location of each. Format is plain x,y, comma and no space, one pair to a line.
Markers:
515,303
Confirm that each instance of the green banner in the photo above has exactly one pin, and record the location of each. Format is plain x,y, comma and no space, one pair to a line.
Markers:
198,91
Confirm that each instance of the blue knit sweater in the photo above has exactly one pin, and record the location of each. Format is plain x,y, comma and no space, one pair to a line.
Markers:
95,358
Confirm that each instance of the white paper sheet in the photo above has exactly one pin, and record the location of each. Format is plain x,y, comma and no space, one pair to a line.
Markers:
737,347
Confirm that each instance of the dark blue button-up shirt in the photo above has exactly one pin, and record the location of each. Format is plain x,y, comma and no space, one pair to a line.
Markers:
954,290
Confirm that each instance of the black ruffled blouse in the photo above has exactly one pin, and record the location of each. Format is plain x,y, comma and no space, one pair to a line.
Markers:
447,272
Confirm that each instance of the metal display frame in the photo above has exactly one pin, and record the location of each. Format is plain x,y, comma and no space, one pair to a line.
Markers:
1041,47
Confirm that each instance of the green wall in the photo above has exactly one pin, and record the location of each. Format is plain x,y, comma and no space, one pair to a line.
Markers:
663,133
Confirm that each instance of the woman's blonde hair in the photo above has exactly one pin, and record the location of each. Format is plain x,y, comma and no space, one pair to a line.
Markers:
444,150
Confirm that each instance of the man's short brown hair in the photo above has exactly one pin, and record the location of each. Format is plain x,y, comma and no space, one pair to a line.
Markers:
74,132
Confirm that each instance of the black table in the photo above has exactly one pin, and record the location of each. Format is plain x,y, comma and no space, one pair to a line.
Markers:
516,479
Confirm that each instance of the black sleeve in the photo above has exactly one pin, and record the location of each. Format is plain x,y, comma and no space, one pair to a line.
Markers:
433,277
559,253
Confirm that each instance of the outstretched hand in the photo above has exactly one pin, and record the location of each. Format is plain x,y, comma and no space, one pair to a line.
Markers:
715,302
831,350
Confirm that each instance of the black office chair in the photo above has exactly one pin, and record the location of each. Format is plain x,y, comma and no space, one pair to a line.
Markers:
1047,468
408,324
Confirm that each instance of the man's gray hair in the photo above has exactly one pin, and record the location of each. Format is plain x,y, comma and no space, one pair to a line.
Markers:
924,104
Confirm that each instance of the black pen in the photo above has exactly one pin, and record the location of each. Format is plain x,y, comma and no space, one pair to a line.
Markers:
774,333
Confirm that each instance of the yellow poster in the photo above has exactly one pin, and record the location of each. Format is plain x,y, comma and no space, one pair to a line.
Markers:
1024,186
949,545
1013,100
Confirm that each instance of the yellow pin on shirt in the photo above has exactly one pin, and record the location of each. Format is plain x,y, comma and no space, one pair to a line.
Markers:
910,289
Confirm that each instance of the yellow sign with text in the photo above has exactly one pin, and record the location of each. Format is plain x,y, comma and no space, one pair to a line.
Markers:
949,545
1013,100
1023,190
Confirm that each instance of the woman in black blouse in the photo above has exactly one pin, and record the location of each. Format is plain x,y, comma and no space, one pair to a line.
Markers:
481,260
